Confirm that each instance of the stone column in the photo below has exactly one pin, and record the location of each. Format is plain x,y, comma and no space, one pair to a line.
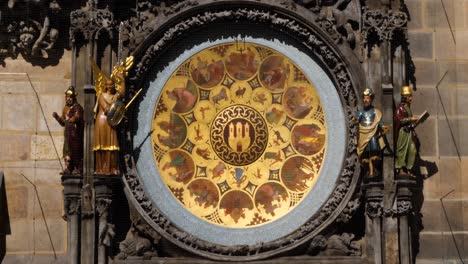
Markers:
85,26
381,21
72,211
105,187
403,210
374,211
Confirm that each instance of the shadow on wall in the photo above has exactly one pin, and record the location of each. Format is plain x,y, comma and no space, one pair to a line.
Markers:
4,218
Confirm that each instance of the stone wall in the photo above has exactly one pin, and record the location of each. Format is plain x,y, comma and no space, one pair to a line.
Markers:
435,52
26,149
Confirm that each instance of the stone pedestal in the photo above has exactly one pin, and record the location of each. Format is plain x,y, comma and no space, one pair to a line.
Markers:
105,188
374,212
72,211
403,210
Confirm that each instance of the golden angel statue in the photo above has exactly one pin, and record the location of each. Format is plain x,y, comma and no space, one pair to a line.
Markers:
109,90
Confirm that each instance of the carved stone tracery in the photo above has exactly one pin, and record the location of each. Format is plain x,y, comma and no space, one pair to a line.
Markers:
340,19
383,23
88,21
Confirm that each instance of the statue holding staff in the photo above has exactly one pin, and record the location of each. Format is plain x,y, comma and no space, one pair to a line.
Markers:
72,120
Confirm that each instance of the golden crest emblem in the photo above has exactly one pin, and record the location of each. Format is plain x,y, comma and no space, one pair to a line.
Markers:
239,135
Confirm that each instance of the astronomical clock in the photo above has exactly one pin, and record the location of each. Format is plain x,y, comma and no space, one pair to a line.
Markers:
242,139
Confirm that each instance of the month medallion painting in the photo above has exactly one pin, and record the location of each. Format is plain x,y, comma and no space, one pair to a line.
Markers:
239,135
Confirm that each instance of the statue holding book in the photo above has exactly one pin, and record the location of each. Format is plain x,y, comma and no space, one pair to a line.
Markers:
407,142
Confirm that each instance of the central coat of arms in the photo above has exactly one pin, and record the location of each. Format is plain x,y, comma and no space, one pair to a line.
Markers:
239,135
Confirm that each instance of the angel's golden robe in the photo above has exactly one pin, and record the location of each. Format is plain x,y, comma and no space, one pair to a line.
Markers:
106,145
108,91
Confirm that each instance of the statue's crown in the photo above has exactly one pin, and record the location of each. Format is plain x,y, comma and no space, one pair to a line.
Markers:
71,91
368,92
406,90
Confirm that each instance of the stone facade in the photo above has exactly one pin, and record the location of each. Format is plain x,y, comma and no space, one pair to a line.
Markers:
435,51
25,143
26,149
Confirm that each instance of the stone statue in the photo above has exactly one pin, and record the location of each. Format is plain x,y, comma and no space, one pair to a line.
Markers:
31,28
371,135
108,91
335,245
136,246
50,29
407,142
72,120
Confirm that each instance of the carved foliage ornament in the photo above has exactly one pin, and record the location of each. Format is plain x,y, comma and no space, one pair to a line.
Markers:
88,21
384,23
72,206
403,207
34,29
343,82
374,209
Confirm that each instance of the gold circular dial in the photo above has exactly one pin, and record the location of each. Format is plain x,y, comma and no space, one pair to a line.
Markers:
239,134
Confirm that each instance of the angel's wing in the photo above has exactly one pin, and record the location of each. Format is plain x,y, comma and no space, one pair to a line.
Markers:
119,72
99,78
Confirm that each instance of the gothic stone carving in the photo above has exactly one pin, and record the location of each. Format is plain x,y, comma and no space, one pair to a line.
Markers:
133,31
33,29
72,206
87,204
71,193
89,20
374,209
342,78
341,20
403,208
383,23
374,199
106,230
137,243
335,245
349,210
